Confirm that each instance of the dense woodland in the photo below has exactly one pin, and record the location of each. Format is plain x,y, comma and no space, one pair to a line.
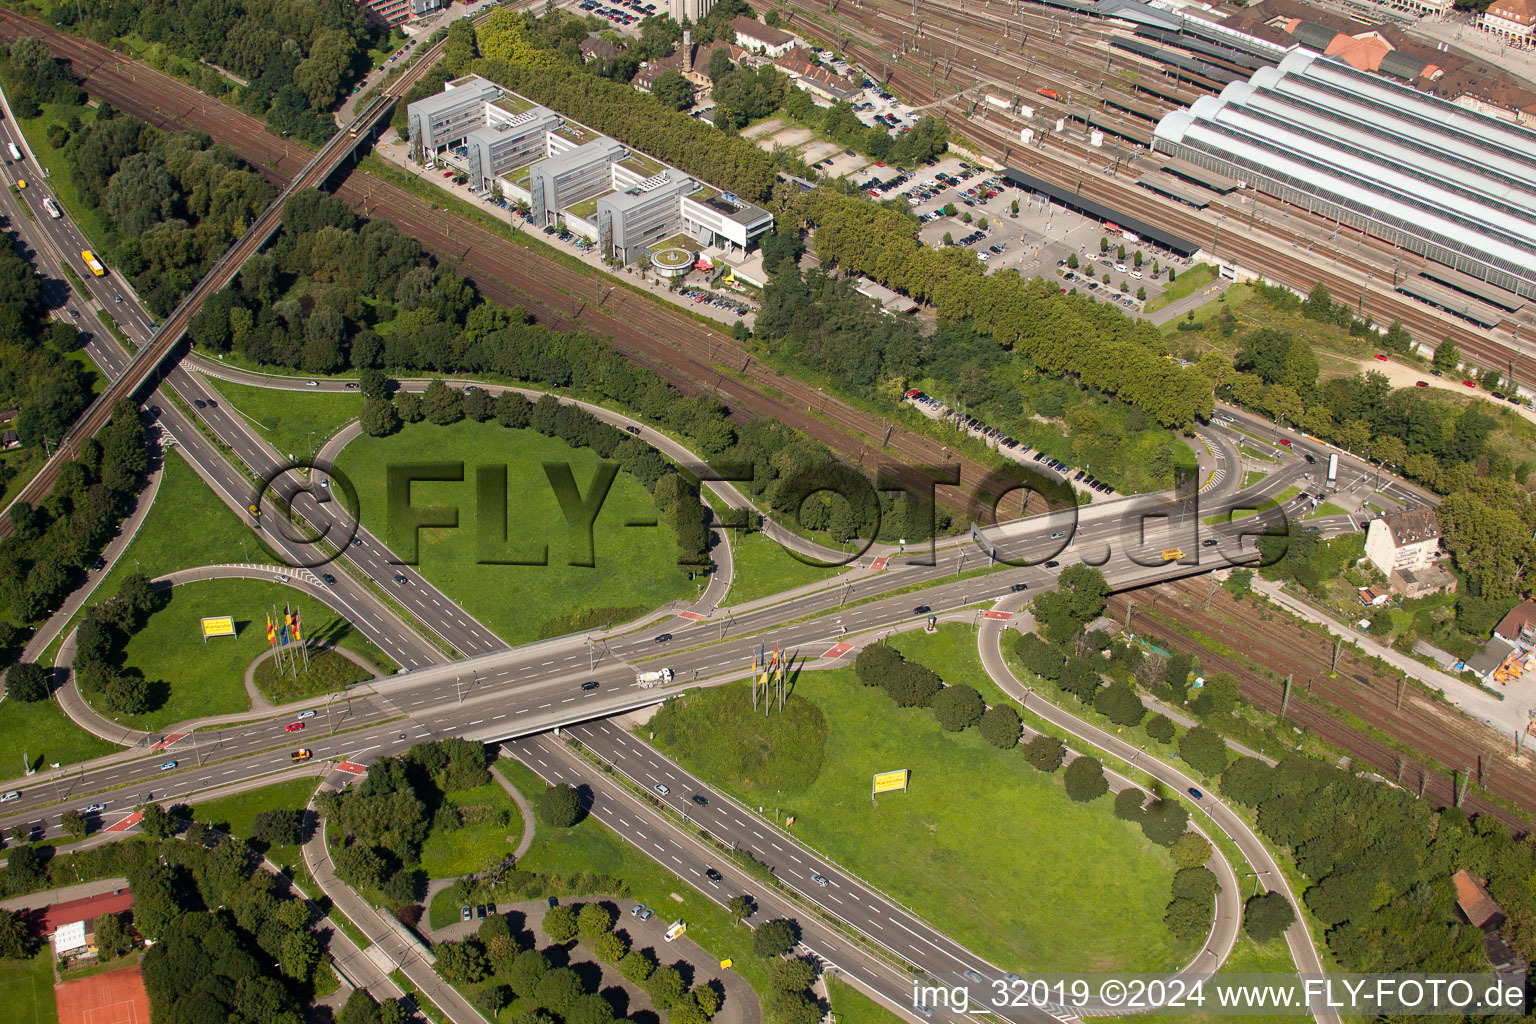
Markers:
299,57
51,545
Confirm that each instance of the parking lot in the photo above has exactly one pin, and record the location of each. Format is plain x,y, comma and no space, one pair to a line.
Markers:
622,13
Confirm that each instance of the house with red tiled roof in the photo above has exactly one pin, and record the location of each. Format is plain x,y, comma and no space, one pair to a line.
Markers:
1473,899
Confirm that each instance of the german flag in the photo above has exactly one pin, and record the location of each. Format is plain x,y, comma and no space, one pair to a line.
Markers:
296,638
271,634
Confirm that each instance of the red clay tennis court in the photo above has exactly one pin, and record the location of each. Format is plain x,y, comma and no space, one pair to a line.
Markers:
117,997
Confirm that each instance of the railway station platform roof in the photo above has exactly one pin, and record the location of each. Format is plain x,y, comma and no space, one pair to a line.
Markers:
1167,185
1199,175
1454,302
1467,284
1109,215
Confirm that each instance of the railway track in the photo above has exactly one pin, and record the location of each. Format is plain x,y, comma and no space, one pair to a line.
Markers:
1447,741
919,78
694,358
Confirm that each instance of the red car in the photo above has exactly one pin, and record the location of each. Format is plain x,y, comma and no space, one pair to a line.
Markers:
1421,383
1469,384
293,726
1381,357
1285,441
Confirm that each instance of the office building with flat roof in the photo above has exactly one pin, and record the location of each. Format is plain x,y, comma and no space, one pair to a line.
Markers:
570,177
508,141
1420,172
630,221
724,221
446,118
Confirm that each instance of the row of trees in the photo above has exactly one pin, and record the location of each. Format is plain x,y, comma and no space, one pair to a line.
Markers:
298,58
616,109
955,707
1058,334
53,543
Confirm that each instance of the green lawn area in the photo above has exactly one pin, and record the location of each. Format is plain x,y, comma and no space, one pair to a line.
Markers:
635,566
481,841
590,846
762,568
1187,283
26,986
21,465
718,730
850,1006
1248,957
1253,476
587,207
234,814
45,734
295,422
1327,508
327,671
189,678
990,851
94,376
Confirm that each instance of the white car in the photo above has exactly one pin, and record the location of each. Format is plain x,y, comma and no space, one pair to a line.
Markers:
983,257
661,788
305,714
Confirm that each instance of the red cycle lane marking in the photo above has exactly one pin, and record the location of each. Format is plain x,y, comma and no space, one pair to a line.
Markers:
695,616
1000,615
127,823
351,768
838,650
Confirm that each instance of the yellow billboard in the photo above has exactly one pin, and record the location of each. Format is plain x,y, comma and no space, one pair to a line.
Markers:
885,782
219,625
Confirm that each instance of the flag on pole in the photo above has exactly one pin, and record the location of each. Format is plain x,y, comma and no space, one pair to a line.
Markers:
282,634
271,636
296,638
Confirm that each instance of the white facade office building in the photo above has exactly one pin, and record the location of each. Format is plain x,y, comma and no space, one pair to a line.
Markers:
572,176
446,118
1423,173
508,141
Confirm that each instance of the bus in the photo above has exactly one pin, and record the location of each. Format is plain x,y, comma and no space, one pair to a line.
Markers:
92,262
15,153
52,208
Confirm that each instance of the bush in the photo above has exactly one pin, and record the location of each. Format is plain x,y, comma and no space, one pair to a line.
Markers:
560,806
1085,779
1190,850
1041,658
958,707
1119,703
1000,727
1164,822
1045,753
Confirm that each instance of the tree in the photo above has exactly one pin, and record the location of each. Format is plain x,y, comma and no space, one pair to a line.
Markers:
958,707
791,1008
529,966
560,924
1187,918
301,954
560,806
155,822
775,938
359,1009
278,827
1045,753
15,936
793,975
1128,803
460,963
441,404
610,947
665,986
1447,355
741,907
636,966
1119,703
73,823
590,1009
27,682
1141,293
673,90
1000,727
1249,781
594,920
379,417
558,989
1267,916
494,998
1164,821
1085,779
1161,728
1190,850
1204,750
1081,679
